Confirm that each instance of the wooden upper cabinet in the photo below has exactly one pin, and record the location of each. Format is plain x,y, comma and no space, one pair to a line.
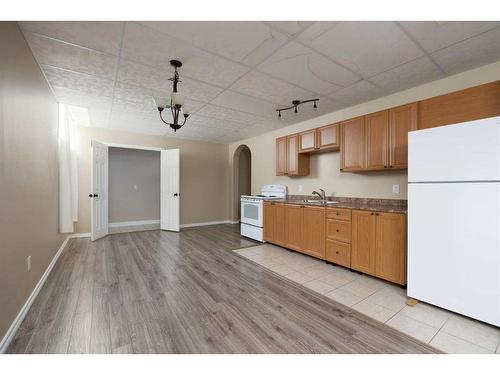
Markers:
390,247
321,139
296,164
293,227
327,137
377,138
281,156
465,105
313,226
352,150
307,141
363,241
402,120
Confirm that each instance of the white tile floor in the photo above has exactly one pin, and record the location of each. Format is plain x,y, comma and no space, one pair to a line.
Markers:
383,301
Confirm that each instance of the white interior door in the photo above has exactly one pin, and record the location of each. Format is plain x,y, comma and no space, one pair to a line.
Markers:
99,190
170,186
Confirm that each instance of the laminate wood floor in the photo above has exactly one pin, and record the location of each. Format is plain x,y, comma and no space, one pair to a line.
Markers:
162,292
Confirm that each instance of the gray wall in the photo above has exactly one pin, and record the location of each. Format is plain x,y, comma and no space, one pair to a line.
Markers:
28,173
134,185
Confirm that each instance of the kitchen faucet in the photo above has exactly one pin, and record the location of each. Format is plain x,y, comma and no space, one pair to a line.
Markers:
321,196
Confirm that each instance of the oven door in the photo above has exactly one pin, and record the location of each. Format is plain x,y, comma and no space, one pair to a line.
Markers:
251,213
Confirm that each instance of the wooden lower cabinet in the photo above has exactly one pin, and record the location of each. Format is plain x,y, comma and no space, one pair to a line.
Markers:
274,223
313,227
379,245
363,241
370,242
390,247
293,227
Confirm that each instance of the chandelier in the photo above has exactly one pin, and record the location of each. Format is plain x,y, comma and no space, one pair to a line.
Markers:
175,103
295,104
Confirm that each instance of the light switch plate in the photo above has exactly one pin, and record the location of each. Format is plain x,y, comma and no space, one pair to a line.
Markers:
395,189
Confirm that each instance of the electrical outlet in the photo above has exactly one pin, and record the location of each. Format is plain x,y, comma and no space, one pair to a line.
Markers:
28,263
301,188
395,189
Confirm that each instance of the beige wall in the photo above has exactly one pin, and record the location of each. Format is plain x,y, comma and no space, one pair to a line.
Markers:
133,185
204,173
325,167
28,174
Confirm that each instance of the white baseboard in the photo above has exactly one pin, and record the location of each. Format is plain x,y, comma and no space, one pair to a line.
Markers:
79,235
208,223
11,332
132,223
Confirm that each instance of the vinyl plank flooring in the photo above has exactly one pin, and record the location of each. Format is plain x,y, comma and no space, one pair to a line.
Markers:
163,292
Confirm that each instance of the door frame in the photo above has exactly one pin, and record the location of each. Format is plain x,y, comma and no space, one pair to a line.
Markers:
119,145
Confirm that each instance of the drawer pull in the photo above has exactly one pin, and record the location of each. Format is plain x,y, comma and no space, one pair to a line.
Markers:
337,214
336,252
338,230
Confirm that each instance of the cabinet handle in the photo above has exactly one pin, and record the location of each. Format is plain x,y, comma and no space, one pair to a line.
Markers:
337,214
336,252
385,166
376,214
338,231
392,166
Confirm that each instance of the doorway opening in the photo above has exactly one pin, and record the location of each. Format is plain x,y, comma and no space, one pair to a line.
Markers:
133,188
242,173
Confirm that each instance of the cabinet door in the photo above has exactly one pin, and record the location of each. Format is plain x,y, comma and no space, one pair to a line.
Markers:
328,137
292,150
293,227
363,241
296,164
279,224
314,231
352,149
377,137
401,120
307,141
269,222
390,249
281,156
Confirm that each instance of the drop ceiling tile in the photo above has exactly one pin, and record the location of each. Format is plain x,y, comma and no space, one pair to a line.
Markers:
408,75
150,47
77,98
325,105
303,67
84,83
359,92
290,27
144,96
367,47
158,79
136,123
231,39
471,53
434,35
271,89
315,30
245,103
101,36
230,115
68,56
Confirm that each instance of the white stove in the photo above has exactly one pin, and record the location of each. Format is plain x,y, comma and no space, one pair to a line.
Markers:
252,210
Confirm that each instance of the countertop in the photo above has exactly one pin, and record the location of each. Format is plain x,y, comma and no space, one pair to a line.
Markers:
367,204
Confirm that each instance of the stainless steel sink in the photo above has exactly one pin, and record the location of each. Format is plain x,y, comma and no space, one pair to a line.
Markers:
319,201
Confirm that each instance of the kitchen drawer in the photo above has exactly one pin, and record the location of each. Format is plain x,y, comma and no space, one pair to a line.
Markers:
338,213
338,252
338,230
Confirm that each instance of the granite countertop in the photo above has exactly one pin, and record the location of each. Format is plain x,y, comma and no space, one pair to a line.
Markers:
367,204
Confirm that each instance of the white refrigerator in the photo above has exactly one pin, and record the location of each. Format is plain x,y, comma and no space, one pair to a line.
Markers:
454,218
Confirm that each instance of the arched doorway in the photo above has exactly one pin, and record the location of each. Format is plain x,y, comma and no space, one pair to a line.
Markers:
242,174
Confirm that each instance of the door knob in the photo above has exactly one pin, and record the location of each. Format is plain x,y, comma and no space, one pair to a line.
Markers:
176,194
90,195
96,195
